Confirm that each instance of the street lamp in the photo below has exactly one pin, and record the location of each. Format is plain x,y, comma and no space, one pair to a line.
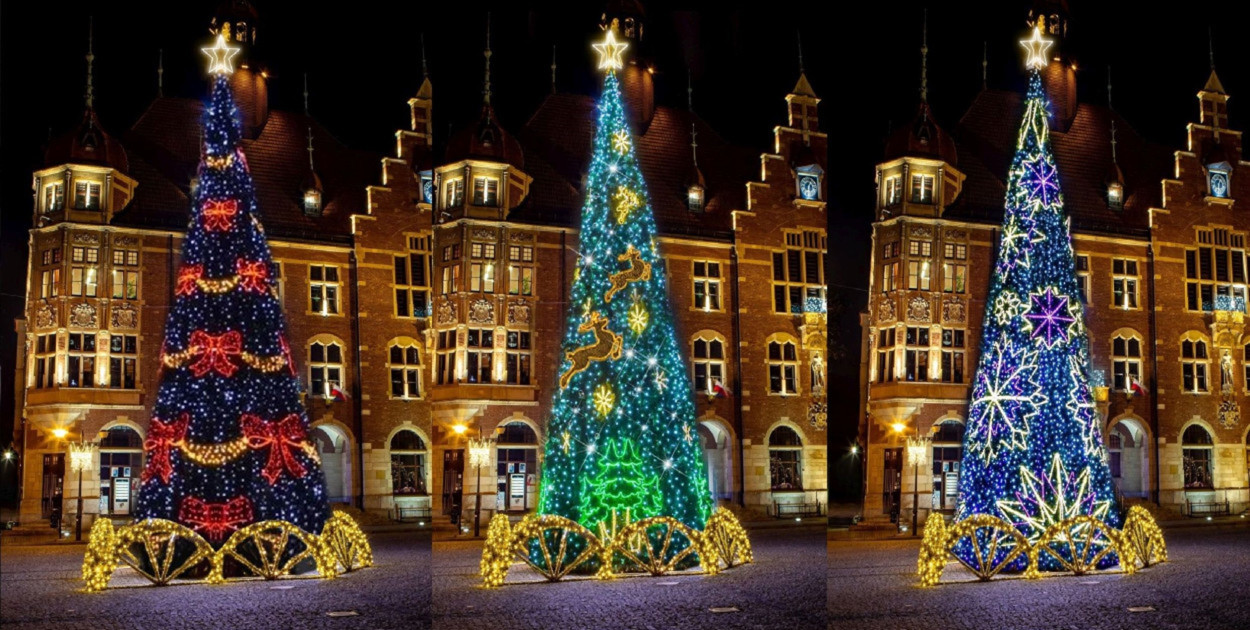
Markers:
81,455
918,453
480,450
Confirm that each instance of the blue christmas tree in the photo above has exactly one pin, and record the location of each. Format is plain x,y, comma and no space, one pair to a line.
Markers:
228,443
1033,450
622,440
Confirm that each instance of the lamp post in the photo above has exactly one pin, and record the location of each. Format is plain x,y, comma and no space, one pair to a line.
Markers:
918,453
480,449
81,455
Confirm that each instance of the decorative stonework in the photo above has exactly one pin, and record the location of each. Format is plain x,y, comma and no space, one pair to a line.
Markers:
921,231
126,241
86,238
885,310
521,237
446,312
125,316
83,315
919,311
956,235
484,234
518,312
954,311
482,312
45,317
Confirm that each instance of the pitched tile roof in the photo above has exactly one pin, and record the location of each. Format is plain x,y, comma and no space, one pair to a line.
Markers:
164,147
986,139
557,142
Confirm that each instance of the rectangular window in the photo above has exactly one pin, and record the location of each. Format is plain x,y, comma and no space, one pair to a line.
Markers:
885,355
798,273
125,285
323,286
889,277
50,283
45,361
1124,283
1082,276
707,285
481,344
893,190
954,278
917,354
921,188
482,277
123,361
453,193
485,191
520,270
87,195
81,360
445,371
918,275
54,197
412,280
84,281
408,473
1125,363
955,251
920,248
952,356
518,358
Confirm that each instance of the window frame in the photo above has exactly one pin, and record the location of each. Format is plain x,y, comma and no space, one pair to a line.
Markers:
326,288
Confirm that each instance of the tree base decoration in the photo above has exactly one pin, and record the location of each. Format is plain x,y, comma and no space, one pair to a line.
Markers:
162,551
554,546
1077,544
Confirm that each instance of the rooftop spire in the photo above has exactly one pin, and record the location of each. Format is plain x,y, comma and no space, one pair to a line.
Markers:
689,90
798,36
694,145
924,59
1112,115
553,68
311,165
90,97
425,70
1211,47
486,54
160,73
305,93
985,63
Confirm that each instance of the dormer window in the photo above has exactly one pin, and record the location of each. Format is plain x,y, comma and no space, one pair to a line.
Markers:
893,190
312,202
694,198
1115,195
1217,180
87,196
485,191
54,197
921,188
808,182
427,187
453,193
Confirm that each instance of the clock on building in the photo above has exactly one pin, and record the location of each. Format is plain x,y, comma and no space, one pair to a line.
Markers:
1219,184
427,189
809,187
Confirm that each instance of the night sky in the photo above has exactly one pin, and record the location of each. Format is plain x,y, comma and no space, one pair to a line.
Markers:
364,64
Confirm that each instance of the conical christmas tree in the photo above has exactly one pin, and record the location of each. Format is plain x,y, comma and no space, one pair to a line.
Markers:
622,416
228,444
1033,450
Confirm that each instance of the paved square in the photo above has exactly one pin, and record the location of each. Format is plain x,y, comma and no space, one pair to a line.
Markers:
781,590
873,585
41,589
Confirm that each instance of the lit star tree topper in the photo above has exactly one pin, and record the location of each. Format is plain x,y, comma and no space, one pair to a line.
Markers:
219,56
624,402
1037,47
610,52
228,443
1033,448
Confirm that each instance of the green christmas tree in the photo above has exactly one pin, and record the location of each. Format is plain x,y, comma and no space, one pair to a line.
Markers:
622,434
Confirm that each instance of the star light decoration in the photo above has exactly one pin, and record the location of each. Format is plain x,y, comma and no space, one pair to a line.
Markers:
1037,47
1050,317
1042,181
1006,397
610,52
1053,498
219,56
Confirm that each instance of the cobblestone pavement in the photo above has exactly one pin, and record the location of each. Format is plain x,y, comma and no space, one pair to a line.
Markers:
1204,586
781,590
39,588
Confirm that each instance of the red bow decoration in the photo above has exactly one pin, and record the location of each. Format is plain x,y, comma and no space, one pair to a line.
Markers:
253,276
162,438
283,438
215,352
188,276
215,519
219,214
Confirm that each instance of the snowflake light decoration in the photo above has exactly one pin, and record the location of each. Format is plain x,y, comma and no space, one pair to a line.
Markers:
1041,180
1004,399
1052,498
1050,317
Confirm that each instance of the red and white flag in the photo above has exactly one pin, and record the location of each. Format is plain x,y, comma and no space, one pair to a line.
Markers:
1135,386
719,389
336,393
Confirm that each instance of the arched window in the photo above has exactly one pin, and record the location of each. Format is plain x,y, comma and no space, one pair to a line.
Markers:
407,463
404,361
1194,359
1126,360
325,367
121,461
517,464
1198,457
709,361
947,455
783,367
785,459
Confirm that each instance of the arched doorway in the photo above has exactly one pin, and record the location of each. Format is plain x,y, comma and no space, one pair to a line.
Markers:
1129,458
718,457
336,461
517,467
121,462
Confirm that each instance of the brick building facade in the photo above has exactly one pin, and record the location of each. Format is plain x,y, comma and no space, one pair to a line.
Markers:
431,293
1161,261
